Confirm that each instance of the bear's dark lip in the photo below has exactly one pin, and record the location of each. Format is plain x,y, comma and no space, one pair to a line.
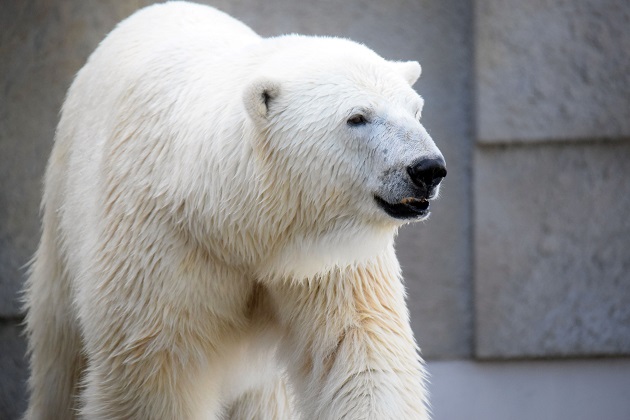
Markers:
408,208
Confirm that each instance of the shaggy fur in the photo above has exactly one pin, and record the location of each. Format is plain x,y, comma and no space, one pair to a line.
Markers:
211,246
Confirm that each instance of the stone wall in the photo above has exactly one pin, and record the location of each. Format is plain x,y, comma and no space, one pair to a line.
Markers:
526,253
551,191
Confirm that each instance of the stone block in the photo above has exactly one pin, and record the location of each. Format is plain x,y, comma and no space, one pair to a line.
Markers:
13,371
552,234
45,43
552,70
582,389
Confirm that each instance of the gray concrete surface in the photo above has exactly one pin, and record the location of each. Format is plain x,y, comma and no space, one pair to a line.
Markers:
590,389
46,43
552,241
552,70
12,370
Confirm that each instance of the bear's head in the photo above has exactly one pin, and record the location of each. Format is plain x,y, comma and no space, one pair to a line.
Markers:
341,145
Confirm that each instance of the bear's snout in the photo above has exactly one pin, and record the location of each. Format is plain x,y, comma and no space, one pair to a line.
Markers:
405,192
427,173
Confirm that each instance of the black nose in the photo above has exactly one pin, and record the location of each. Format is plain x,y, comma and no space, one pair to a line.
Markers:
427,173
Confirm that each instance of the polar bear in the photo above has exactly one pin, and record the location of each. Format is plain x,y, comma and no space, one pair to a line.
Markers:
218,223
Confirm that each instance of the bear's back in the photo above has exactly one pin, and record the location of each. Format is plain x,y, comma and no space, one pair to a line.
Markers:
162,41
182,23
154,64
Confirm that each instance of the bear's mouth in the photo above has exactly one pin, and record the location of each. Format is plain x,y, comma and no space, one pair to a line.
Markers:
407,208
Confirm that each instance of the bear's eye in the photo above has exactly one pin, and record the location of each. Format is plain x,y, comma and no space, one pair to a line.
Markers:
357,120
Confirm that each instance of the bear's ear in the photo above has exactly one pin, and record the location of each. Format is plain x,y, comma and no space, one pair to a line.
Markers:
258,96
409,70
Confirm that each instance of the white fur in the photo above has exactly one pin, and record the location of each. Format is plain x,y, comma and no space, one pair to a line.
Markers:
211,246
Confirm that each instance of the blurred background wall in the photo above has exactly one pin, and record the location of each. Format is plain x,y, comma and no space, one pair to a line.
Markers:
519,284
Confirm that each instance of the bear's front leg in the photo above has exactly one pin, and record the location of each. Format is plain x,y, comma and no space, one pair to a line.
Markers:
269,401
349,346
